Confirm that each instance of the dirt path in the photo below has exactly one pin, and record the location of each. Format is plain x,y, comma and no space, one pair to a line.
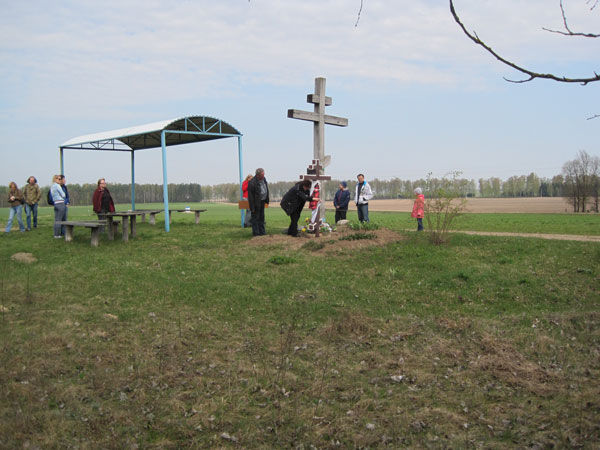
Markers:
558,237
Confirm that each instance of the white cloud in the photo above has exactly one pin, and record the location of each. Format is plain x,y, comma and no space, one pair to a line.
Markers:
127,62
82,55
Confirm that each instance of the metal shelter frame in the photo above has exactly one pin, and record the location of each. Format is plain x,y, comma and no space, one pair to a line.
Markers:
185,130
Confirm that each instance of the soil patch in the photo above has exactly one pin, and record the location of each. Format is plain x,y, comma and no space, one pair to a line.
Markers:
26,258
339,240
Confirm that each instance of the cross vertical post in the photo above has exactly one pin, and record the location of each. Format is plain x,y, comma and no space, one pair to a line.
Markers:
319,119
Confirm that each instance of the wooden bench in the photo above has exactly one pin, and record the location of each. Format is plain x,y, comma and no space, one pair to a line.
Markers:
114,230
195,211
94,225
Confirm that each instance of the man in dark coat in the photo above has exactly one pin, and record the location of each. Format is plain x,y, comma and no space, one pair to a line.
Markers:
258,197
293,202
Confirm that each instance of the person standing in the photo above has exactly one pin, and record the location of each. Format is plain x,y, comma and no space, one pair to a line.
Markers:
102,200
63,185
293,202
418,211
362,196
247,215
315,204
15,200
341,199
32,195
258,197
60,210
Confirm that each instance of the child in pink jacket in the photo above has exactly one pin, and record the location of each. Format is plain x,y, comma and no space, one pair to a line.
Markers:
419,208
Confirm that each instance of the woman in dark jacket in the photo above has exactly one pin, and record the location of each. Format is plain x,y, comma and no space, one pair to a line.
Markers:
293,202
102,200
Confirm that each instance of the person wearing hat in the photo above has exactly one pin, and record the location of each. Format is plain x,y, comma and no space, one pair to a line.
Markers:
418,211
340,202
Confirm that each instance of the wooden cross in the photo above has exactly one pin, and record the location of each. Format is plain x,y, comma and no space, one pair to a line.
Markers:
313,173
319,118
317,169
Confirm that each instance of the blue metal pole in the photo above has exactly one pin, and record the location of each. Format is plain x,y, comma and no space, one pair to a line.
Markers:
243,211
165,183
132,181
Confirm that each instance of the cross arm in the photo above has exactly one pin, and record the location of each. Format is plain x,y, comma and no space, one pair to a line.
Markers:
316,99
314,117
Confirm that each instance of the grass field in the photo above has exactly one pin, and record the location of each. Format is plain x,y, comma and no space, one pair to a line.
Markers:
206,338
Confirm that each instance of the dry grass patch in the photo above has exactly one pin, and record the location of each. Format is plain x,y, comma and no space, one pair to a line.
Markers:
329,243
355,381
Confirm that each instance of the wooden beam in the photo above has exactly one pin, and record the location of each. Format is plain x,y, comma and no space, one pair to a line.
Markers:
314,117
314,98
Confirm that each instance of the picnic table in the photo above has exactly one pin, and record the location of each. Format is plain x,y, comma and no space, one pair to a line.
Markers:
128,225
94,225
151,212
195,211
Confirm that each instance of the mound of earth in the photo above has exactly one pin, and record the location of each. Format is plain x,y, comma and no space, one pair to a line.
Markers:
341,239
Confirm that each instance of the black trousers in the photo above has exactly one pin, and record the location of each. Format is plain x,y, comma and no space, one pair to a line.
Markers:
294,217
340,215
258,220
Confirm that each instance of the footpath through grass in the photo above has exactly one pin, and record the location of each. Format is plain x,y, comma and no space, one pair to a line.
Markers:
197,339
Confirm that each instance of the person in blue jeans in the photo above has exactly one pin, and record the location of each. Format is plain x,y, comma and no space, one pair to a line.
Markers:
15,199
32,195
361,198
63,185
60,210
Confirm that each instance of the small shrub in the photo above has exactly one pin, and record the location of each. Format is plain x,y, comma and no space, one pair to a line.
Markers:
363,226
358,237
280,260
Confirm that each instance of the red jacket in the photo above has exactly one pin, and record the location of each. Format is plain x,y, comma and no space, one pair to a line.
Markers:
419,207
97,201
315,196
245,189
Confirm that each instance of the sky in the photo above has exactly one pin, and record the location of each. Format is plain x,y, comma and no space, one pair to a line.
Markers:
419,96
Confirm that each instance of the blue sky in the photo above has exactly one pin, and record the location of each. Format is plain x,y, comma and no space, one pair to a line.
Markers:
419,96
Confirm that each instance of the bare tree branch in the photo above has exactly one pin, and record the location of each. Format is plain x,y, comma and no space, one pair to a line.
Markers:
569,32
595,116
531,74
359,11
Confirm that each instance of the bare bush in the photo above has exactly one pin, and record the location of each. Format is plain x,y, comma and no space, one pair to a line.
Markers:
443,204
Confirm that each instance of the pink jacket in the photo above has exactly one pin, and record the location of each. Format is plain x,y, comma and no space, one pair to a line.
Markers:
419,207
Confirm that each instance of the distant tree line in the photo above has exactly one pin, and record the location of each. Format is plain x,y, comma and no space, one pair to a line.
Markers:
579,184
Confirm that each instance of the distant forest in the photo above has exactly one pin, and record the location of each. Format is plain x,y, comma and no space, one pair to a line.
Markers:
517,186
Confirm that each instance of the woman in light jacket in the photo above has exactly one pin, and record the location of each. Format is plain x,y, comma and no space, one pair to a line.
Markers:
60,209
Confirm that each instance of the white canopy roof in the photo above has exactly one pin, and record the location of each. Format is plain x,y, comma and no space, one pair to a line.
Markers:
200,128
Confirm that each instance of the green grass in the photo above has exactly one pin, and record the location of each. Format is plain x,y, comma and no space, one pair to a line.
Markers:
201,338
580,224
